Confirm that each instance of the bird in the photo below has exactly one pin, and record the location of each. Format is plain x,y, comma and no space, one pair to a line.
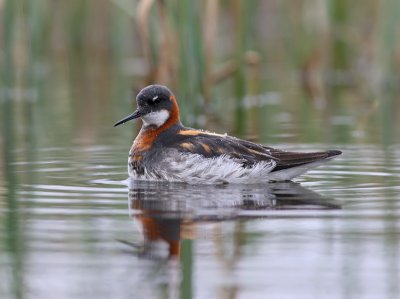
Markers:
166,150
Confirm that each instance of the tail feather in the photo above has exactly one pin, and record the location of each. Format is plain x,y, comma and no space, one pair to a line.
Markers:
295,159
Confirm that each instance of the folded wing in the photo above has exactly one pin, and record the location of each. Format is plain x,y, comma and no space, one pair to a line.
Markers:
247,153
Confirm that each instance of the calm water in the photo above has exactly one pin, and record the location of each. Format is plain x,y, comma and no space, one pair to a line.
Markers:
73,226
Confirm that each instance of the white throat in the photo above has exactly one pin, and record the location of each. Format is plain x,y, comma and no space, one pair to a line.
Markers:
157,118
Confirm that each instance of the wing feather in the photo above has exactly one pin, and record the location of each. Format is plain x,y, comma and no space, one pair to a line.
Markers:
212,145
247,153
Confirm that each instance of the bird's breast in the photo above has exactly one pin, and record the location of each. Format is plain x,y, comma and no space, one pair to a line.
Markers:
143,141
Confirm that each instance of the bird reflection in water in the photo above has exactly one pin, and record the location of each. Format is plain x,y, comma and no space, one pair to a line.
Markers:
168,213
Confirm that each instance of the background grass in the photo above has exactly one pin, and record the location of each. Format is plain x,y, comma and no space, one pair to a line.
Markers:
303,71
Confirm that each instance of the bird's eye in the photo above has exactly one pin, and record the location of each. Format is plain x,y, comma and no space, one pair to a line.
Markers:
154,100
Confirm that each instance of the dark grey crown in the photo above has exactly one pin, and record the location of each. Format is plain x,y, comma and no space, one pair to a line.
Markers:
155,97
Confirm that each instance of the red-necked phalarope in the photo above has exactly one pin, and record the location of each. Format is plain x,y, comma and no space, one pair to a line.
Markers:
166,150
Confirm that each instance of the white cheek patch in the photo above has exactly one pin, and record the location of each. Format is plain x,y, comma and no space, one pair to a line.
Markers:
157,118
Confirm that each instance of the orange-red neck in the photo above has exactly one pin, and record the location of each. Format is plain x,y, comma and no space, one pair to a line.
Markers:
147,135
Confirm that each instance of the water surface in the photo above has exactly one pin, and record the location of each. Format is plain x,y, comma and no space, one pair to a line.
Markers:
73,226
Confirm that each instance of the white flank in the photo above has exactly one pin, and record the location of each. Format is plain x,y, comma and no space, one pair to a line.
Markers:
195,169
157,118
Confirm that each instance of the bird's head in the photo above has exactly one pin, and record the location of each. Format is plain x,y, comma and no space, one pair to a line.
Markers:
156,106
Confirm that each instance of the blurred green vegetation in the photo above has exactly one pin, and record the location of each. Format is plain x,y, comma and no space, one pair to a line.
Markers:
276,70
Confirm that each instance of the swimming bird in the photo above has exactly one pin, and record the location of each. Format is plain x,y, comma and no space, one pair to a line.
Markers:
166,150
